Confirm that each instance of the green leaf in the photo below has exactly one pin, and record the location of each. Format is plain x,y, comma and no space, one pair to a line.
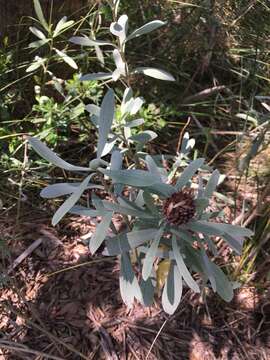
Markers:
212,184
116,164
150,203
209,270
150,255
182,267
188,173
144,137
127,241
129,286
96,76
40,15
233,234
84,211
71,201
223,285
38,43
105,120
155,73
119,28
62,25
60,189
127,210
165,190
134,123
50,156
67,59
100,233
139,178
37,33
127,96
152,166
172,292
145,29
86,41
147,290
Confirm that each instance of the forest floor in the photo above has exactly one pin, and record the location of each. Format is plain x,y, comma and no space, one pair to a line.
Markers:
61,302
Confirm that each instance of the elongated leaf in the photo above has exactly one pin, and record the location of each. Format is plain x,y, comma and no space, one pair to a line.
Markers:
209,270
96,76
37,32
188,173
135,105
105,120
100,233
152,167
134,123
62,25
144,137
139,178
211,228
150,255
40,15
129,286
86,41
67,59
93,109
60,189
127,210
182,267
109,146
37,44
212,184
150,203
223,285
120,65
235,242
71,201
128,241
34,66
84,211
145,29
172,292
155,73
116,164
120,27
127,96
50,156
147,290
164,190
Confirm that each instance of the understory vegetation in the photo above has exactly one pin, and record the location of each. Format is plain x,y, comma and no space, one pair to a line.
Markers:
135,165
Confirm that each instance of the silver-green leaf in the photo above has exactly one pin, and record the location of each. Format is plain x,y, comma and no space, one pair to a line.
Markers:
51,156
172,292
105,120
155,73
182,267
71,201
100,233
188,173
145,29
150,255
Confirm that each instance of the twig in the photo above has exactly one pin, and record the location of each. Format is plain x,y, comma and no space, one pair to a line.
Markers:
155,339
203,94
182,134
25,349
26,253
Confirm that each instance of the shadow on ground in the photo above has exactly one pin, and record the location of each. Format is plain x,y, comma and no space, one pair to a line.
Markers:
78,313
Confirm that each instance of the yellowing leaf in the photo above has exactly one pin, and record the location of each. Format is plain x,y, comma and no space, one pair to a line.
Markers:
162,273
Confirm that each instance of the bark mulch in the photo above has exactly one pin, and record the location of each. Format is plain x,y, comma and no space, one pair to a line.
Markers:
62,303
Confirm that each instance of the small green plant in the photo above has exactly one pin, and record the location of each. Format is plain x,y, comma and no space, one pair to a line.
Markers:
165,210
